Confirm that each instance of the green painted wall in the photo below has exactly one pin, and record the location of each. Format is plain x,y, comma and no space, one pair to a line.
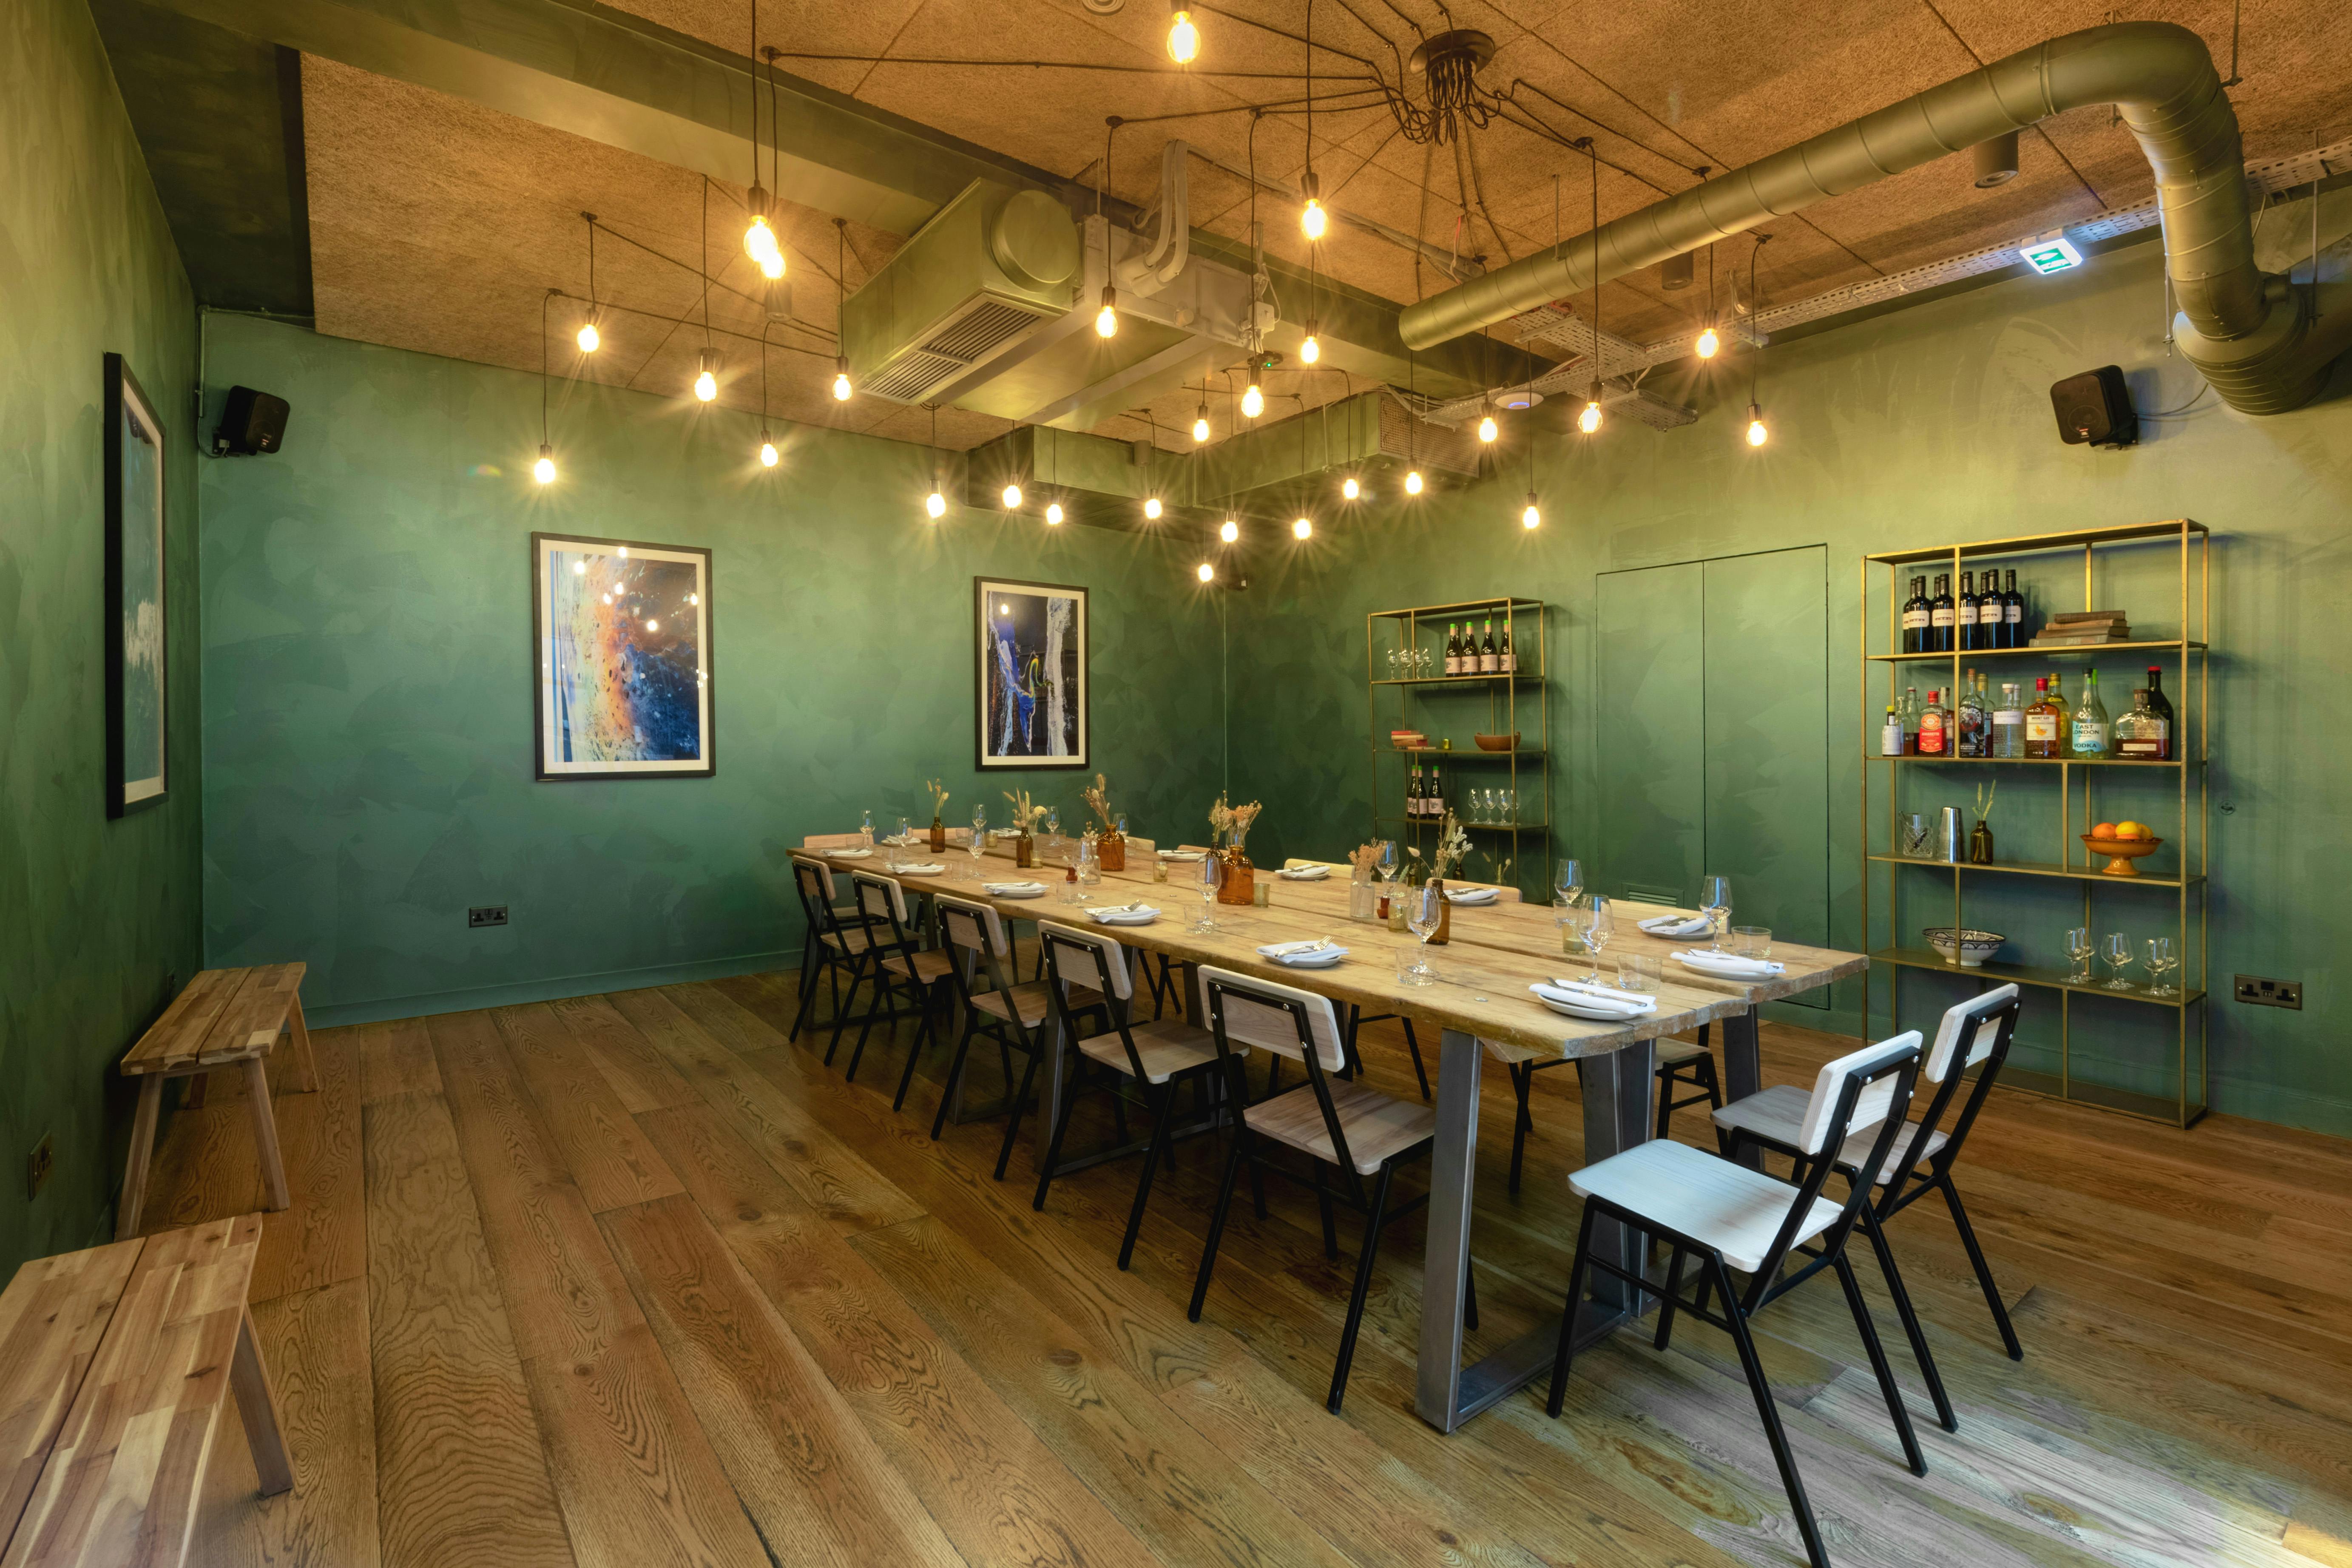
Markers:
94,915
1916,429
368,660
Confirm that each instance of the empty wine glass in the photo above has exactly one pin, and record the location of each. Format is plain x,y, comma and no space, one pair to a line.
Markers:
1053,828
866,829
1510,806
979,820
1213,874
1425,909
2157,954
898,843
2117,948
2079,950
1596,932
1567,881
1392,664
1388,863
1714,903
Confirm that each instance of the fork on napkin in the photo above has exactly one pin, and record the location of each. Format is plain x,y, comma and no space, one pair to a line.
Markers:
848,854
1304,954
1731,965
1471,896
1136,914
921,869
1591,1004
1677,925
1594,988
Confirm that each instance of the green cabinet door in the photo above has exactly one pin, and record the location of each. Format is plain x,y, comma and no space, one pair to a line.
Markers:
1649,732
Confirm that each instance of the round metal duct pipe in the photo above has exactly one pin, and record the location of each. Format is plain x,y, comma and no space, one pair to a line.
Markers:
2252,340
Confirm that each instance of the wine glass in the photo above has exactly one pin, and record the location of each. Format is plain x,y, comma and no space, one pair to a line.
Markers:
1052,826
1425,909
1510,807
1567,881
2079,950
1212,873
979,820
1714,903
898,844
2157,954
866,829
2117,948
1388,863
1596,932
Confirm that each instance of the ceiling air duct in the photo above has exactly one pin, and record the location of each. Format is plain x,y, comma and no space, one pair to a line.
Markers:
2257,339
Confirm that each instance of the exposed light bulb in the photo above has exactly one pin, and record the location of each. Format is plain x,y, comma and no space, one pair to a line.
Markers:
1205,572
706,380
1302,528
1533,517
841,378
1151,508
1412,482
544,469
1053,514
1200,424
1349,487
1756,434
1590,420
1107,319
1312,218
1710,343
772,266
1252,400
759,241
1012,498
1311,349
1231,532
766,454
1487,429
936,504
589,338
1184,40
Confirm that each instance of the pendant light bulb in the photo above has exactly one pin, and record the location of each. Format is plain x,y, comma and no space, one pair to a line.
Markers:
772,266
1205,572
1302,528
1412,482
1053,514
1532,517
1183,45
841,388
1350,489
767,453
544,469
706,380
1486,427
1252,400
590,339
1756,434
1230,532
936,504
1151,508
1012,498
1313,219
1201,424
759,241
1312,349
1590,420
1107,319
1710,342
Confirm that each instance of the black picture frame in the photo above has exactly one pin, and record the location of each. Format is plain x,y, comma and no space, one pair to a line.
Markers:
138,645
1078,733
547,767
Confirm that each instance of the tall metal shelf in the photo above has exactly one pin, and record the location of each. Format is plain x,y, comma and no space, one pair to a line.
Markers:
1519,703
2079,782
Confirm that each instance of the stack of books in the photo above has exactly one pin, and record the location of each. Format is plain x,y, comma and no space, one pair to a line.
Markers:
2084,628
1408,739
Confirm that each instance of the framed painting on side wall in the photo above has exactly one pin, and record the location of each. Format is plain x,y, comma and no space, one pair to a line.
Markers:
621,640
137,652
1030,685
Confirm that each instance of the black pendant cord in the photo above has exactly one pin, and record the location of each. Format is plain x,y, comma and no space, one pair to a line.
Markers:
706,261
1755,310
543,364
591,264
755,97
1593,151
764,385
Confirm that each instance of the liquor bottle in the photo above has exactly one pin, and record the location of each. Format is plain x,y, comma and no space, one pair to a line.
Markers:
1975,728
1934,730
1490,661
1890,736
1909,714
1966,620
1412,801
2090,732
2009,723
2142,735
2161,706
2043,723
1433,803
1510,655
1915,618
1992,615
2012,611
2066,714
1452,649
1940,615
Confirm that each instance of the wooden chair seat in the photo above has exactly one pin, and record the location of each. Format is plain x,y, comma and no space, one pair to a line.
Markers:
1167,1047
1713,1201
114,1363
851,940
1778,1114
1672,1053
925,968
1377,1127
1032,1002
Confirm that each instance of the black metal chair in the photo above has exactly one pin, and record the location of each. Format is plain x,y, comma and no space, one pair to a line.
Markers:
833,940
902,968
1729,1218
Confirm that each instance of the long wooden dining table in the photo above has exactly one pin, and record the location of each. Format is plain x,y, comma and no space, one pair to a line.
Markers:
1480,1001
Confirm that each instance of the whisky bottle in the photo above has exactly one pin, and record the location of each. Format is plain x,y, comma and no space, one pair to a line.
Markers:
2043,723
2142,735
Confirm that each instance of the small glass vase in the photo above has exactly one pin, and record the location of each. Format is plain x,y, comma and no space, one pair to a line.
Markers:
1112,849
1363,897
1240,884
1024,851
1980,846
938,835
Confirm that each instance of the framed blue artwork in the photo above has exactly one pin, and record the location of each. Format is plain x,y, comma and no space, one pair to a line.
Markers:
621,639
1030,687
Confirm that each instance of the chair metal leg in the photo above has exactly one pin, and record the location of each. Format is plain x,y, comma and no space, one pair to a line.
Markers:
1331,1226
1020,1104
1666,1302
810,958
1770,1413
915,1051
1364,1260
1217,1221
1984,1270
1162,1107
1910,1318
1413,1043
841,1005
1469,1294
955,1074
882,996
1560,1357
1053,1148
1879,1363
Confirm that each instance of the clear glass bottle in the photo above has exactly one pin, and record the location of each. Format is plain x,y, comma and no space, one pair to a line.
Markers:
1975,722
2090,733
1908,712
2066,714
2009,723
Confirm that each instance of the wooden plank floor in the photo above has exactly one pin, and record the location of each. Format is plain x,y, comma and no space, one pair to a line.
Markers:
631,1280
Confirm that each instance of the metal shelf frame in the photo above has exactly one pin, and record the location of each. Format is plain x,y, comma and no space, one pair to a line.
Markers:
2077,786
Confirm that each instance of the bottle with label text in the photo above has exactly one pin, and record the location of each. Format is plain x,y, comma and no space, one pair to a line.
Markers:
2043,723
1453,648
1965,621
2013,612
1908,712
1488,658
1915,618
1992,615
1934,728
2009,723
1890,736
1976,729
2090,733
1940,614
1510,655
1412,793
2066,714
2161,706
2142,735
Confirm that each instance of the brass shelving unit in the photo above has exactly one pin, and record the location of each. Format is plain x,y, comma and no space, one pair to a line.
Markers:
1519,701
2078,784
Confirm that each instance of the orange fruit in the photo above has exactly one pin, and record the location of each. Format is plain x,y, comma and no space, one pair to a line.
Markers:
2105,830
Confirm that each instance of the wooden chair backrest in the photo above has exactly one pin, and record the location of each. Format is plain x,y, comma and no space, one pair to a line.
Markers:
1255,1013
1871,1107
973,926
834,841
1087,958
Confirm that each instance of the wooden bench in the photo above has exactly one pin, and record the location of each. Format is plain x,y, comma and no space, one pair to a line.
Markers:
224,1017
113,1366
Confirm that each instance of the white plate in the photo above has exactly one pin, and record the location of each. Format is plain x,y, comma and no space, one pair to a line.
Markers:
1306,874
1016,890
1730,966
1592,1009
1677,927
1314,960
921,869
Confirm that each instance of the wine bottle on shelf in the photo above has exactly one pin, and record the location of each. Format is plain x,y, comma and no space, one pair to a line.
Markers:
1413,804
1510,655
2161,706
1915,618
2012,611
1965,617
1940,615
1992,614
1452,649
2009,723
1890,737
1490,659
1909,714
2043,721
1434,801
1935,736
2091,730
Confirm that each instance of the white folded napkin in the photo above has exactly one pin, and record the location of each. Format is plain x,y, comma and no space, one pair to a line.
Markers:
1014,890
1594,988
1585,1005
1318,954
1124,915
1303,873
1471,896
1180,854
1677,925
900,839
1731,965
921,869
848,854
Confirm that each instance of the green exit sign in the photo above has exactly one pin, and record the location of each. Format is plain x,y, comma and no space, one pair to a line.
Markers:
2054,254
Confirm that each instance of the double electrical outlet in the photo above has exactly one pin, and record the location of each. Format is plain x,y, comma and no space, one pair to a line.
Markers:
2260,993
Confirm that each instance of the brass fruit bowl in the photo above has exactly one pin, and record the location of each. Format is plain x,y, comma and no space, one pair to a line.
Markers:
2121,852
1510,742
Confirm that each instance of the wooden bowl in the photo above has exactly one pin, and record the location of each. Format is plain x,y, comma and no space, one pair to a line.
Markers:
1510,742
2121,852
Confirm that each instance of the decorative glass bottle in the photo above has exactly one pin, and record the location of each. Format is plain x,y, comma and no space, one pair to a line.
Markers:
1239,886
1112,847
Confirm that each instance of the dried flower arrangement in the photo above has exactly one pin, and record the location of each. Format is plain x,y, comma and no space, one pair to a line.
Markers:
1985,793
1027,814
1232,821
1452,847
1098,801
938,793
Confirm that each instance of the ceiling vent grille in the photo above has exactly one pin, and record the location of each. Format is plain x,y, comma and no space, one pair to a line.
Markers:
982,328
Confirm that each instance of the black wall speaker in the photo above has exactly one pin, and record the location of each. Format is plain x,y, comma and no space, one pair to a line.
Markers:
250,422
2095,407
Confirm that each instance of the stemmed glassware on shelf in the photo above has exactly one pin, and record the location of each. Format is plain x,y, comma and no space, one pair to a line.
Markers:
1212,875
1714,903
2157,954
1424,911
2117,948
1508,809
2078,953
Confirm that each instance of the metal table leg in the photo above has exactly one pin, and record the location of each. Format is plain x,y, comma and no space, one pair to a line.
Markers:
1743,1071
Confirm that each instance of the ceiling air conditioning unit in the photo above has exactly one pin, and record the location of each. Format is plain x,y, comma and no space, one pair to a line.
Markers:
973,281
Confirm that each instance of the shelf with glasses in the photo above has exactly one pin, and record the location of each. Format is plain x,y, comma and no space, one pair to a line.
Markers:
1469,827
2040,761
2037,975
1517,676
2071,650
1475,755
2041,869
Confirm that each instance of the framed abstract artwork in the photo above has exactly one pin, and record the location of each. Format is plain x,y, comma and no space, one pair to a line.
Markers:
137,650
621,641
1029,690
